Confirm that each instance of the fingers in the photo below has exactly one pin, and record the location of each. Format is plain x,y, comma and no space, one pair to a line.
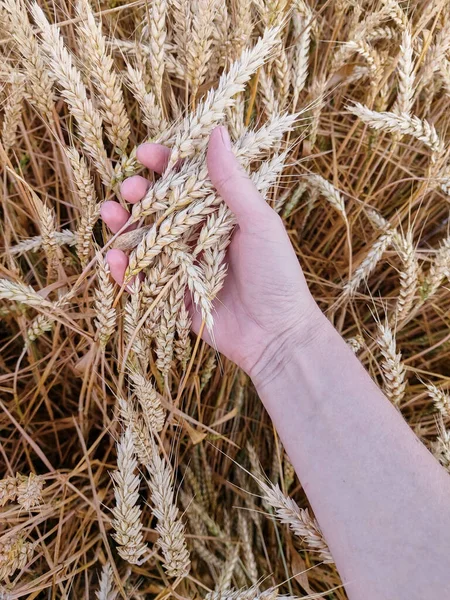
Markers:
134,188
153,156
232,182
118,263
114,215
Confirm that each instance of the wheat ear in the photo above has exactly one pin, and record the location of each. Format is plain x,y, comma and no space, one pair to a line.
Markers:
106,589
405,98
104,304
299,520
392,366
89,120
169,526
39,82
13,109
127,514
402,124
15,552
101,68
440,398
195,129
157,39
150,109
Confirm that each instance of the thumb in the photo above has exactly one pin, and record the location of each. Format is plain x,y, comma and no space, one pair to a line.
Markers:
231,181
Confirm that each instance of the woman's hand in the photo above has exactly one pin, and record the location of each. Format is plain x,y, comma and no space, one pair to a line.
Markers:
265,306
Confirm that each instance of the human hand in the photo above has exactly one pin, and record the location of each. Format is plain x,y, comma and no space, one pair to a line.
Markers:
264,307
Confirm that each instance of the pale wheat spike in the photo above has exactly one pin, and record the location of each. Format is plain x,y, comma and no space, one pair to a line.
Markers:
241,27
183,347
13,109
132,316
370,55
106,589
247,547
171,540
105,312
208,370
228,568
253,593
302,30
15,552
439,270
298,519
8,490
440,398
150,108
101,69
318,90
408,276
127,513
43,323
15,291
441,447
157,38
405,98
368,264
88,118
141,436
152,410
392,367
329,192
47,226
84,192
221,44
33,244
266,91
355,343
29,490
195,128
435,56
165,335
282,76
199,48
39,81
402,124
196,283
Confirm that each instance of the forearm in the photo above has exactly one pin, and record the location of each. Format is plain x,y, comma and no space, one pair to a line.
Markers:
382,500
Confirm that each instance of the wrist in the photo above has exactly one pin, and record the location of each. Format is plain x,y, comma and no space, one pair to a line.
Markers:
282,350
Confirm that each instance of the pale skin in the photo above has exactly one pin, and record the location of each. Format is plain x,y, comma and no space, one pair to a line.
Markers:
382,500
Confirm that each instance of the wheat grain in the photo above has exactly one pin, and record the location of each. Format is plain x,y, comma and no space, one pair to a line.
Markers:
127,514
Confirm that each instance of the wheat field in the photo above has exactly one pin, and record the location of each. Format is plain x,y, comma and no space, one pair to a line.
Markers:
136,461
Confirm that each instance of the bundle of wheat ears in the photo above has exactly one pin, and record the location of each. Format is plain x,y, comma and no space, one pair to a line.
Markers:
136,461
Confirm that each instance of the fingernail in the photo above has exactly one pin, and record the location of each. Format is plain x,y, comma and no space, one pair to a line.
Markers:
225,138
